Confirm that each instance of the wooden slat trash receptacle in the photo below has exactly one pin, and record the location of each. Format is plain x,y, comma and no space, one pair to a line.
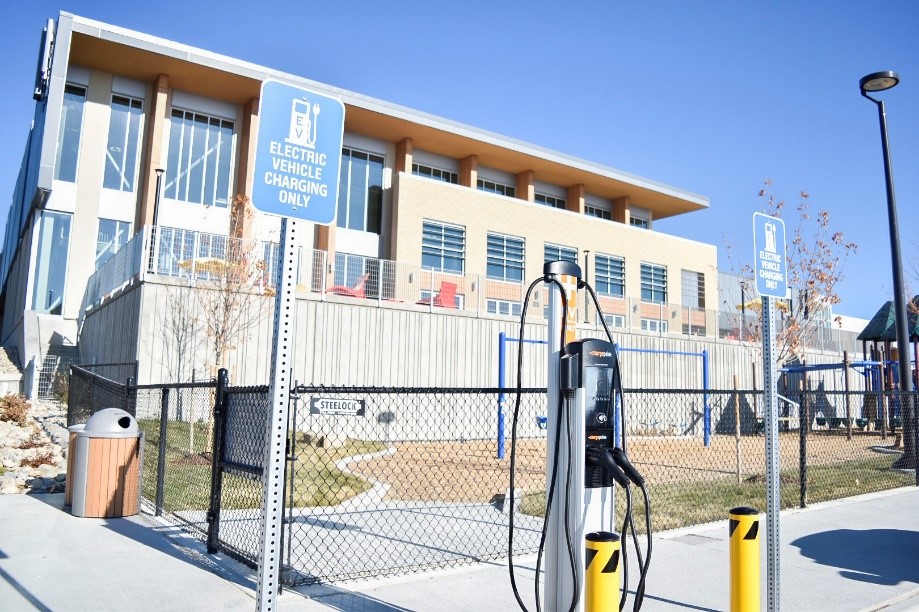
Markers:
104,466
71,448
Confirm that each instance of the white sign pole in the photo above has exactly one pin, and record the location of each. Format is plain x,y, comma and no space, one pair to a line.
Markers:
269,567
772,457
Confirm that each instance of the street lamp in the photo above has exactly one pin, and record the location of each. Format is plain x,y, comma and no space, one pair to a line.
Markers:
876,82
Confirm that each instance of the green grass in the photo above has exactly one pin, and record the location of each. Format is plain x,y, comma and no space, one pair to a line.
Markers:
187,481
691,503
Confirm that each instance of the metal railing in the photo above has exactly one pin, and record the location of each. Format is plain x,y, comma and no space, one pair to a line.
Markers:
368,281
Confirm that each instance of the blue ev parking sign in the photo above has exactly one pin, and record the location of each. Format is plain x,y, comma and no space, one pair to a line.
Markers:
769,264
298,153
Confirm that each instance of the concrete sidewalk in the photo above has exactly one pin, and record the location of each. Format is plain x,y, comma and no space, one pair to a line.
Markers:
857,554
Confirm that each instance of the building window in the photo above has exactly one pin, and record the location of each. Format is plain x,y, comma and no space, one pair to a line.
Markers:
693,284
654,325
609,275
435,173
503,307
123,142
112,235
443,247
505,258
554,252
614,320
548,200
653,283
51,262
639,222
493,187
360,192
68,136
593,211
200,159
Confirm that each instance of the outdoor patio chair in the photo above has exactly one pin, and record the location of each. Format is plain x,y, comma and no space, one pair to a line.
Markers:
356,291
445,298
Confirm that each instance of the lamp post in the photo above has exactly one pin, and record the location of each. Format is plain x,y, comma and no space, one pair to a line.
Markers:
586,305
877,82
156,218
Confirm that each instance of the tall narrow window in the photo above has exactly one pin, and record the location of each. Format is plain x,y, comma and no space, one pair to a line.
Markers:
609,275
443,247
693,285
51,262
112,235
200,159
554,252
123,142
68,136
505,258
360,192
653,283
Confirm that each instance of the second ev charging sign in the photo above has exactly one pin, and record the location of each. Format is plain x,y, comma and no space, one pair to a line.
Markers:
298,153
769,256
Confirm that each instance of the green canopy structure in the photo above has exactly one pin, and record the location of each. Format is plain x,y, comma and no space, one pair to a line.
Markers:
882,326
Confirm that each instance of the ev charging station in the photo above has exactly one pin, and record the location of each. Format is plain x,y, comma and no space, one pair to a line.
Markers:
583,430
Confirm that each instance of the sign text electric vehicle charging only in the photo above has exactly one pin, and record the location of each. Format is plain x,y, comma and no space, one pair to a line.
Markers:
770,270
297,161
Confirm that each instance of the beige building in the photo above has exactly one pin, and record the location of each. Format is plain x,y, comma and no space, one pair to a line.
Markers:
133,132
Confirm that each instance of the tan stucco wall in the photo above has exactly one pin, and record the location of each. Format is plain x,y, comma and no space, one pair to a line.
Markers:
480,213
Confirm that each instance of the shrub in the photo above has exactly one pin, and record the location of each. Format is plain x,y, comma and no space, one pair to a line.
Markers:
14,408
61,388
46,458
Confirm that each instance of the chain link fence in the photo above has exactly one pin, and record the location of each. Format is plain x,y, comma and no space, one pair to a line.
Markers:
384,481
388,480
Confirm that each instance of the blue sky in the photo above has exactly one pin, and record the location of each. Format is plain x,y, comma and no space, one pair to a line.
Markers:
710,97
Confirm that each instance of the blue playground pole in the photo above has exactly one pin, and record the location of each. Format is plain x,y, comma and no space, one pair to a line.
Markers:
502,338
706,408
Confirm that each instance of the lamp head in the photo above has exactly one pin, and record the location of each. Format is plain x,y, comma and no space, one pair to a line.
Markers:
879,81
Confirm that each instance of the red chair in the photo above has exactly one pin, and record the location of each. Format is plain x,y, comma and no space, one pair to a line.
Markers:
445,298
356,291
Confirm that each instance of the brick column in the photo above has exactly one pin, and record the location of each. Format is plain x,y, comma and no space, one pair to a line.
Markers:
153,155
575,199
621,209
241,214
469,171
526,186
404,155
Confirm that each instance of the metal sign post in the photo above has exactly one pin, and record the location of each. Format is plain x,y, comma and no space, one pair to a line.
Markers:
771,282
298,156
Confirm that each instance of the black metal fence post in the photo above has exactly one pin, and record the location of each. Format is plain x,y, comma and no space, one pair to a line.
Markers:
129,390
213,513
803,427
161,458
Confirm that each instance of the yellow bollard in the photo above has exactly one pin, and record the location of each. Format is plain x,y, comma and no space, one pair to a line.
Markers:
743,533
601,572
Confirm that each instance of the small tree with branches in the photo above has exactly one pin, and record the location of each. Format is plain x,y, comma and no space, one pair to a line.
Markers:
815,258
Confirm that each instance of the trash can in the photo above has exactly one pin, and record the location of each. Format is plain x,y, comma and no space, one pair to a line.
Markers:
106,466
71,451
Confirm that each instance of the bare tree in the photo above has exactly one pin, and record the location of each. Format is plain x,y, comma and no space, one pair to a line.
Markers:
230,291
815,258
